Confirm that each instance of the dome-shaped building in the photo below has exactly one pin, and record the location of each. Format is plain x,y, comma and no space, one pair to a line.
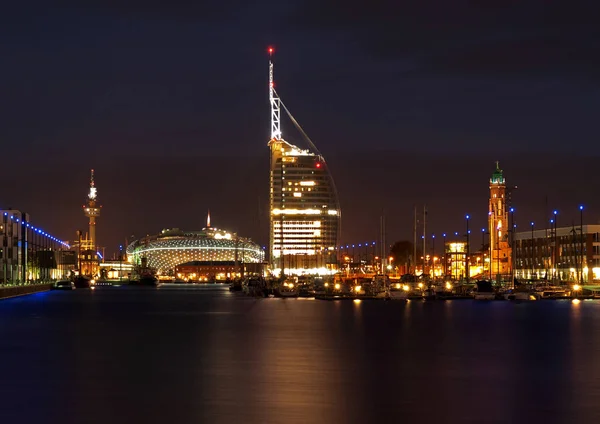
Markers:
213,252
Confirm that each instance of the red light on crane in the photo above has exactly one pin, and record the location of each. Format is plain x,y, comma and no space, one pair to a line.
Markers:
270,50
318,165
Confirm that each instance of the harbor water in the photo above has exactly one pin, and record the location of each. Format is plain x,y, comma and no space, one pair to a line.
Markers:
146,355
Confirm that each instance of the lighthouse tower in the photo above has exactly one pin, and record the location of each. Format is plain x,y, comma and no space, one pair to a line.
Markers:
500,251
92,210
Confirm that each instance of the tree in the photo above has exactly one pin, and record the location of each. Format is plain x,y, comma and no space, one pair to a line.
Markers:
402,252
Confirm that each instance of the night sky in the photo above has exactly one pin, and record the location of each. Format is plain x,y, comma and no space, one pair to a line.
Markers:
411,102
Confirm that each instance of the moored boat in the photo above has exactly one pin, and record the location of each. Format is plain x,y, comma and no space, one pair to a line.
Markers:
398,291
484,291
551,292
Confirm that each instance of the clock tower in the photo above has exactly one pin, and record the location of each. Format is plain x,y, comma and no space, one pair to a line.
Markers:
500,250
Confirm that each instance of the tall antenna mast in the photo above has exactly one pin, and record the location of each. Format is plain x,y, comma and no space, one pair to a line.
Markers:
93,191
275,102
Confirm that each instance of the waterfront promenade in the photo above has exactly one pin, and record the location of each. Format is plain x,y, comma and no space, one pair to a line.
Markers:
7,291
136,354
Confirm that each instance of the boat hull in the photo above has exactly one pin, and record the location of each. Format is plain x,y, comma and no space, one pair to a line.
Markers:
398,295
484,296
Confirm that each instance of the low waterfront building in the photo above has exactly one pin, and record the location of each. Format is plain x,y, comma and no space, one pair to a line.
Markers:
203,271
28,253
116,270
88,257
454,262
563,254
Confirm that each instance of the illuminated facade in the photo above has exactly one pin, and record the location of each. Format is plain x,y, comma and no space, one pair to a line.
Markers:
456,262
562,254
456,259
304,208
208,271
165,251
500,251
28,253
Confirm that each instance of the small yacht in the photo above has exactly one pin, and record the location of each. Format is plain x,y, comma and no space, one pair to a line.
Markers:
289,288
519,294
398,291
551,292
484,291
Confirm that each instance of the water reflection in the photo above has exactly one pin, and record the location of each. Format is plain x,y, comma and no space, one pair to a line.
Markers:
208,356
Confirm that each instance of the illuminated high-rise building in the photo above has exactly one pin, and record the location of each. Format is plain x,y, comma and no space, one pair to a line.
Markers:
500,250
304,208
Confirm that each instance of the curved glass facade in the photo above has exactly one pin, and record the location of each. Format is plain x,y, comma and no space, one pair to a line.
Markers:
304,211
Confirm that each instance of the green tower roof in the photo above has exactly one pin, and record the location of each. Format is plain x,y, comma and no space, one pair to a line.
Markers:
497,177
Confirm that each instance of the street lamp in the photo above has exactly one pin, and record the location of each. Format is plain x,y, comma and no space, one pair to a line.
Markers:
581,243
445,258
79,251
423,257
555,252
483,233
512,247
432,255
454,269
467,258
532,257
373,255
120,262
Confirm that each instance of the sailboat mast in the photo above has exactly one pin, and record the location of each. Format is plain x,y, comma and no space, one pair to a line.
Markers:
414,261
424,237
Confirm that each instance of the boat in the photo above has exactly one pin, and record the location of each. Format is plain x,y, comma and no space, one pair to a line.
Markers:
288,291
236,285
288,288
444,292
82,282
519,294
551,292
254,286
484,291
398,291
148,280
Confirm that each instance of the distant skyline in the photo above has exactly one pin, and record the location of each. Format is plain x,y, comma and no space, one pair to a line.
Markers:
408,101
177,193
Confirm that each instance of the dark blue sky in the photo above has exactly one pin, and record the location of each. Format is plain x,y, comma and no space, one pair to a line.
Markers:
144,91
